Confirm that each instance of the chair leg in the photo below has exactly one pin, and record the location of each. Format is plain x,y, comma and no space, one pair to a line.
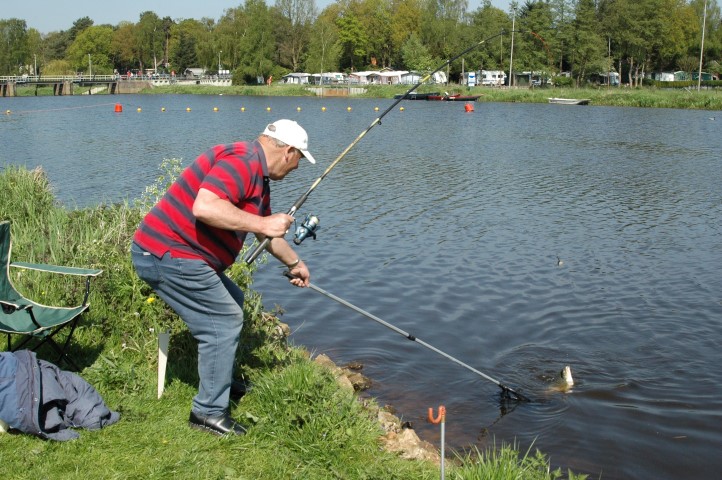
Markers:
61,351
62,355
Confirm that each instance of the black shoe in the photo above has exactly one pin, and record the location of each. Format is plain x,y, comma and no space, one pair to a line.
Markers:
218,425
239,388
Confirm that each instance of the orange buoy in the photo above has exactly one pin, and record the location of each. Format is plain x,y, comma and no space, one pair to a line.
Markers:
118,107
469,107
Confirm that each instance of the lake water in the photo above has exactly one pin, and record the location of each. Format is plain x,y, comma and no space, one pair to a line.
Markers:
517,238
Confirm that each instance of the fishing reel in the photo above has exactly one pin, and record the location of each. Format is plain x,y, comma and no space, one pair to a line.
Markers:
306,229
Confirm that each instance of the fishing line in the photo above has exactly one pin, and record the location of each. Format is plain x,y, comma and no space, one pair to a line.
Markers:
254,253
506,391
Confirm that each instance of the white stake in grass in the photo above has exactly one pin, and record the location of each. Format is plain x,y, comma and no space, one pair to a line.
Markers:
163,339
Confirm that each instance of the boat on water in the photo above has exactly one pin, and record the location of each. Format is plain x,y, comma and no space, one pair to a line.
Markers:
415,96
569,101
457,97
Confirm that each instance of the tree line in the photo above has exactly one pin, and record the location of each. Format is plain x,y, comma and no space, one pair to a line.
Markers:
252,40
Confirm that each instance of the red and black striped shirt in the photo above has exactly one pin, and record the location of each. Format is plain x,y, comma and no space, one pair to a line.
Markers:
236,172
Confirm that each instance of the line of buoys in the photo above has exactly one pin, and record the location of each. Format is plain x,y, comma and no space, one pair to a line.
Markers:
119,108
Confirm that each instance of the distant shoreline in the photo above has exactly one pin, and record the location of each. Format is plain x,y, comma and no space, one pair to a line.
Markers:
647,97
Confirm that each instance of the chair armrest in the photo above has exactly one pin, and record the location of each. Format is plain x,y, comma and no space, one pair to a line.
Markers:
10,307
88,272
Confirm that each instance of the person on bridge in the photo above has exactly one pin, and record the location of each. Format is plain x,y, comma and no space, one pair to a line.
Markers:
196,231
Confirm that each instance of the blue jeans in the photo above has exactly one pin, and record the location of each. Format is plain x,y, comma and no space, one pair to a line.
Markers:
211,305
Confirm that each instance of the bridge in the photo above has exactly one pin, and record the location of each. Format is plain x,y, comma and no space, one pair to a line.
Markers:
61,84
66,84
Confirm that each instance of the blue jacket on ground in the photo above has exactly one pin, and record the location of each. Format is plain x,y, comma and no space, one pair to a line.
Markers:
38,398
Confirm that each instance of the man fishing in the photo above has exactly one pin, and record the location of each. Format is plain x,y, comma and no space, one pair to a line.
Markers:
196,231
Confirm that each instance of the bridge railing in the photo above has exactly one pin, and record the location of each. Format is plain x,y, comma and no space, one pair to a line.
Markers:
57,78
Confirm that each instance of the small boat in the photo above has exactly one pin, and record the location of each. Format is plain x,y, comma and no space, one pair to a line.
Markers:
569,101
415,96
457,97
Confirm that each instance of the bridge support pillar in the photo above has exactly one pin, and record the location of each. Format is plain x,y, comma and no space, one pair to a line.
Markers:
8,89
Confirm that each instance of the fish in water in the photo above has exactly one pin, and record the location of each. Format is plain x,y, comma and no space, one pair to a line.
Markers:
564,381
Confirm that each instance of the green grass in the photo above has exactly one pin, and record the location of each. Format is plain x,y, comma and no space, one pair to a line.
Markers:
301,424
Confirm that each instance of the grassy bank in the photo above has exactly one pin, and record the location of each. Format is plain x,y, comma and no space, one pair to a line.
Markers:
302,425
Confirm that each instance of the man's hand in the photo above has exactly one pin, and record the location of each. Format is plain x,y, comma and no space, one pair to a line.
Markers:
276,225
299,275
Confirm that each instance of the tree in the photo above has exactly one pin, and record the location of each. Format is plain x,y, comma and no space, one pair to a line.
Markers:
416,56
405,21
324,50
13,46
124,47
293,29
78,26
167,27
440,27
183,46
587,50
562,17
34,47
375,18
54,45
149,39
532,48
92,47
256,46
352,39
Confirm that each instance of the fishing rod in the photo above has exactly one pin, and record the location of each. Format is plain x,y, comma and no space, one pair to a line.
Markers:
506,391
253,254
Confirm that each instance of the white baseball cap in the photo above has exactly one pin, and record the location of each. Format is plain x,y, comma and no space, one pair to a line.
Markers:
290,133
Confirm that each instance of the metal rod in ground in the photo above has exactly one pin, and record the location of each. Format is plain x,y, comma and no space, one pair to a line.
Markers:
343,302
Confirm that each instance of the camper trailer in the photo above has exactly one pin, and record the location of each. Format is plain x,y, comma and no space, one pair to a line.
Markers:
492,78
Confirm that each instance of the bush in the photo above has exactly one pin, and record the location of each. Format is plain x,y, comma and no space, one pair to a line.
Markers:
562,81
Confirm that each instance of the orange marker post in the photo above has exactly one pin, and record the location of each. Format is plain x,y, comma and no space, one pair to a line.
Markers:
441,418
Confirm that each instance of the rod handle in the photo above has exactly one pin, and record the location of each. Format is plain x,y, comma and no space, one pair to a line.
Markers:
253,255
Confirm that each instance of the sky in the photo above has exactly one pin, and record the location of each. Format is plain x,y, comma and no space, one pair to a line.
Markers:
53,15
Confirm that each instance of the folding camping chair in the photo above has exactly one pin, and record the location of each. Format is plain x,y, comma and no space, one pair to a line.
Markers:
38,323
